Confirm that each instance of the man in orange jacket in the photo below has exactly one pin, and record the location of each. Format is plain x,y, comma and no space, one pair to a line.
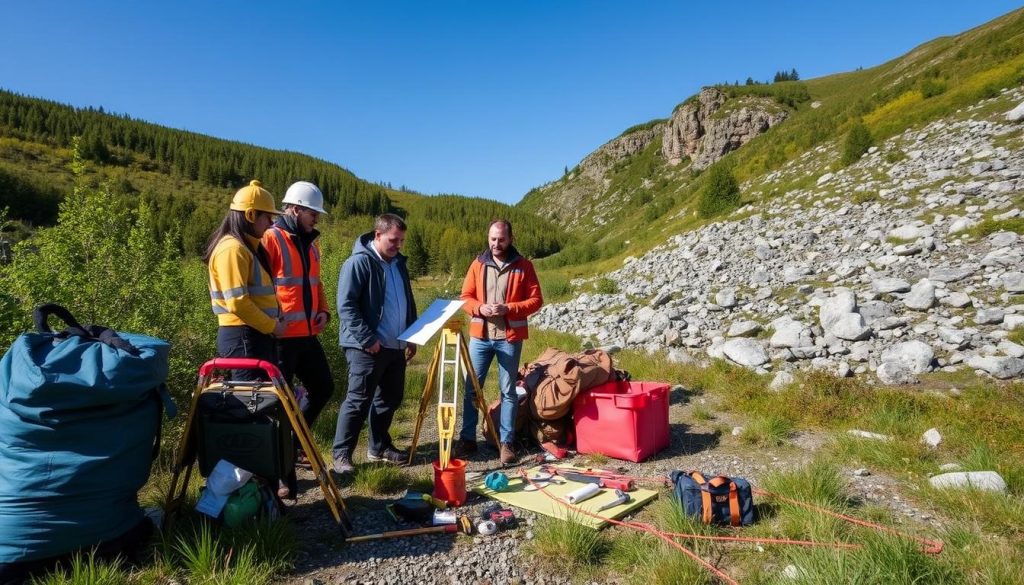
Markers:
500,291
294,256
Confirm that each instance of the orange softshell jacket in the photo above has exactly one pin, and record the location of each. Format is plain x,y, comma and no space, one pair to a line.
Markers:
522,296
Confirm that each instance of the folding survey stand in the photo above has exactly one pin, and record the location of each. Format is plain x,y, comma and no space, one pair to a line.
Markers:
449,368
187,450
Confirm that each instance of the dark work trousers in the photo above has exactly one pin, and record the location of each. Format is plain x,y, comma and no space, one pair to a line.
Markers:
304,358
376,384
242,341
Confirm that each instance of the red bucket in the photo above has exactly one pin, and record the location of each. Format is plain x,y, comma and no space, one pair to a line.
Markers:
450,483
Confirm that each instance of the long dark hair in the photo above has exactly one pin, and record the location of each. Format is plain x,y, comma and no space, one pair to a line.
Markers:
236,226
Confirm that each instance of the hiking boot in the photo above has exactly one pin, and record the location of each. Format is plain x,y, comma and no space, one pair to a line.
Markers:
343,465
463,448
389,455
508,455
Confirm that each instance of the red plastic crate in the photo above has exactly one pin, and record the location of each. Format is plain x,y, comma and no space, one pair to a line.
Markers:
624,420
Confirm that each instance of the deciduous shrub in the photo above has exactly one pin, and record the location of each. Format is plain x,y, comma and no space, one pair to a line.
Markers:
721,192
858,141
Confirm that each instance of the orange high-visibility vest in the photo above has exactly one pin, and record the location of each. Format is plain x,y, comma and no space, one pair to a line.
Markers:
296,281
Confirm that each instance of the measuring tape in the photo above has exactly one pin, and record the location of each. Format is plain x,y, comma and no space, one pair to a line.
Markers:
486,528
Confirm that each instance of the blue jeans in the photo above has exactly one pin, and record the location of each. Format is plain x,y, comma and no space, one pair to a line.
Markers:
481,352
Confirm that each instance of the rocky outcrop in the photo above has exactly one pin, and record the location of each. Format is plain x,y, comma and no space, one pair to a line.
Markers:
597,163
706,129
687,125
860,273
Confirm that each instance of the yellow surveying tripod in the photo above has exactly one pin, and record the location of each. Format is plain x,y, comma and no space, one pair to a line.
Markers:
449,368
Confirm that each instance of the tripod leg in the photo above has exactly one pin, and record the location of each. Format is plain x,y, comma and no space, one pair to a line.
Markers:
428,395
298,424
446,403
174,496
445,432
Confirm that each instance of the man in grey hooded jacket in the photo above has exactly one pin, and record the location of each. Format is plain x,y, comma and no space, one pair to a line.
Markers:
375,304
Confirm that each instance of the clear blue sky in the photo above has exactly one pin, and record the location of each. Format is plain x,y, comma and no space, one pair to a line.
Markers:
481,98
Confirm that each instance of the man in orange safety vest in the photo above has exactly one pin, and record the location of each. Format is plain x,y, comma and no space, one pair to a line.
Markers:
294,256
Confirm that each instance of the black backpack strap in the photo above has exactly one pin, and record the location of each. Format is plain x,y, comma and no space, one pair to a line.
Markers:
102,334
110,337
43,312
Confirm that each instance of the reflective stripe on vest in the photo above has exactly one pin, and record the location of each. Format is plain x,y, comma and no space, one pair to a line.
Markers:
271,312
290,282
285,247
241,291
294,281
231,293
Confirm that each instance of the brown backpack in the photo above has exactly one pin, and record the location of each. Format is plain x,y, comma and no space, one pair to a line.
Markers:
555,378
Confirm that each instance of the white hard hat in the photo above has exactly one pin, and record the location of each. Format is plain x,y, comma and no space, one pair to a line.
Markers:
305,194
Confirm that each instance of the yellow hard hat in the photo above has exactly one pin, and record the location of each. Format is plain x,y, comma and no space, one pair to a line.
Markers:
252,198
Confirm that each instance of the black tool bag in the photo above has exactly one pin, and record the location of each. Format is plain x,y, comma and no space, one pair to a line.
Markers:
249,429
719,500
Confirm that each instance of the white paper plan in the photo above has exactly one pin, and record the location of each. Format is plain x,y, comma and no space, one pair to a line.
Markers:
431,321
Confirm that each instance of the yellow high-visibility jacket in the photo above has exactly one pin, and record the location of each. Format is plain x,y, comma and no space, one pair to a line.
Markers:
241,291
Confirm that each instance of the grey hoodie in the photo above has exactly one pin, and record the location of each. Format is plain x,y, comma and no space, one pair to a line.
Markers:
361,294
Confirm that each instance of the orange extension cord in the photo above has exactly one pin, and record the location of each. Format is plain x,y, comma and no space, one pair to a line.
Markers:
929,546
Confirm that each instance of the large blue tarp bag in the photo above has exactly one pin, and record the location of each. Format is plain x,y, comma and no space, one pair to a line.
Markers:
80,415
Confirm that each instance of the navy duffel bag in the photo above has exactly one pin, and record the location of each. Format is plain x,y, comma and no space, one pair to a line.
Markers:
720,500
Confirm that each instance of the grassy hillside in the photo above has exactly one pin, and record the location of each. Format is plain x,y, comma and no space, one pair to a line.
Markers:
183,175
650,200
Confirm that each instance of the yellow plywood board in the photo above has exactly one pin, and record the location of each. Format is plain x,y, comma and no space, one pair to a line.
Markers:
535,501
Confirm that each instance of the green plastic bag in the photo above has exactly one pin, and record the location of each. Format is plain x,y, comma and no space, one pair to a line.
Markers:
243,505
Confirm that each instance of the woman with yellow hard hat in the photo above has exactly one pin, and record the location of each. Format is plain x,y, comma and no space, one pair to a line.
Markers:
241,289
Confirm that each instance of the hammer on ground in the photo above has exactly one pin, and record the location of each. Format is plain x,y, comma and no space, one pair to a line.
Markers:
621,497
463,525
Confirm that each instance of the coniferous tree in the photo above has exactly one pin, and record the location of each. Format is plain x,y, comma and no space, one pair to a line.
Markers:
124,145
417,253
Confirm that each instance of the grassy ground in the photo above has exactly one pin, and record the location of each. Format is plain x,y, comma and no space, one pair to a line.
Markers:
982,424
